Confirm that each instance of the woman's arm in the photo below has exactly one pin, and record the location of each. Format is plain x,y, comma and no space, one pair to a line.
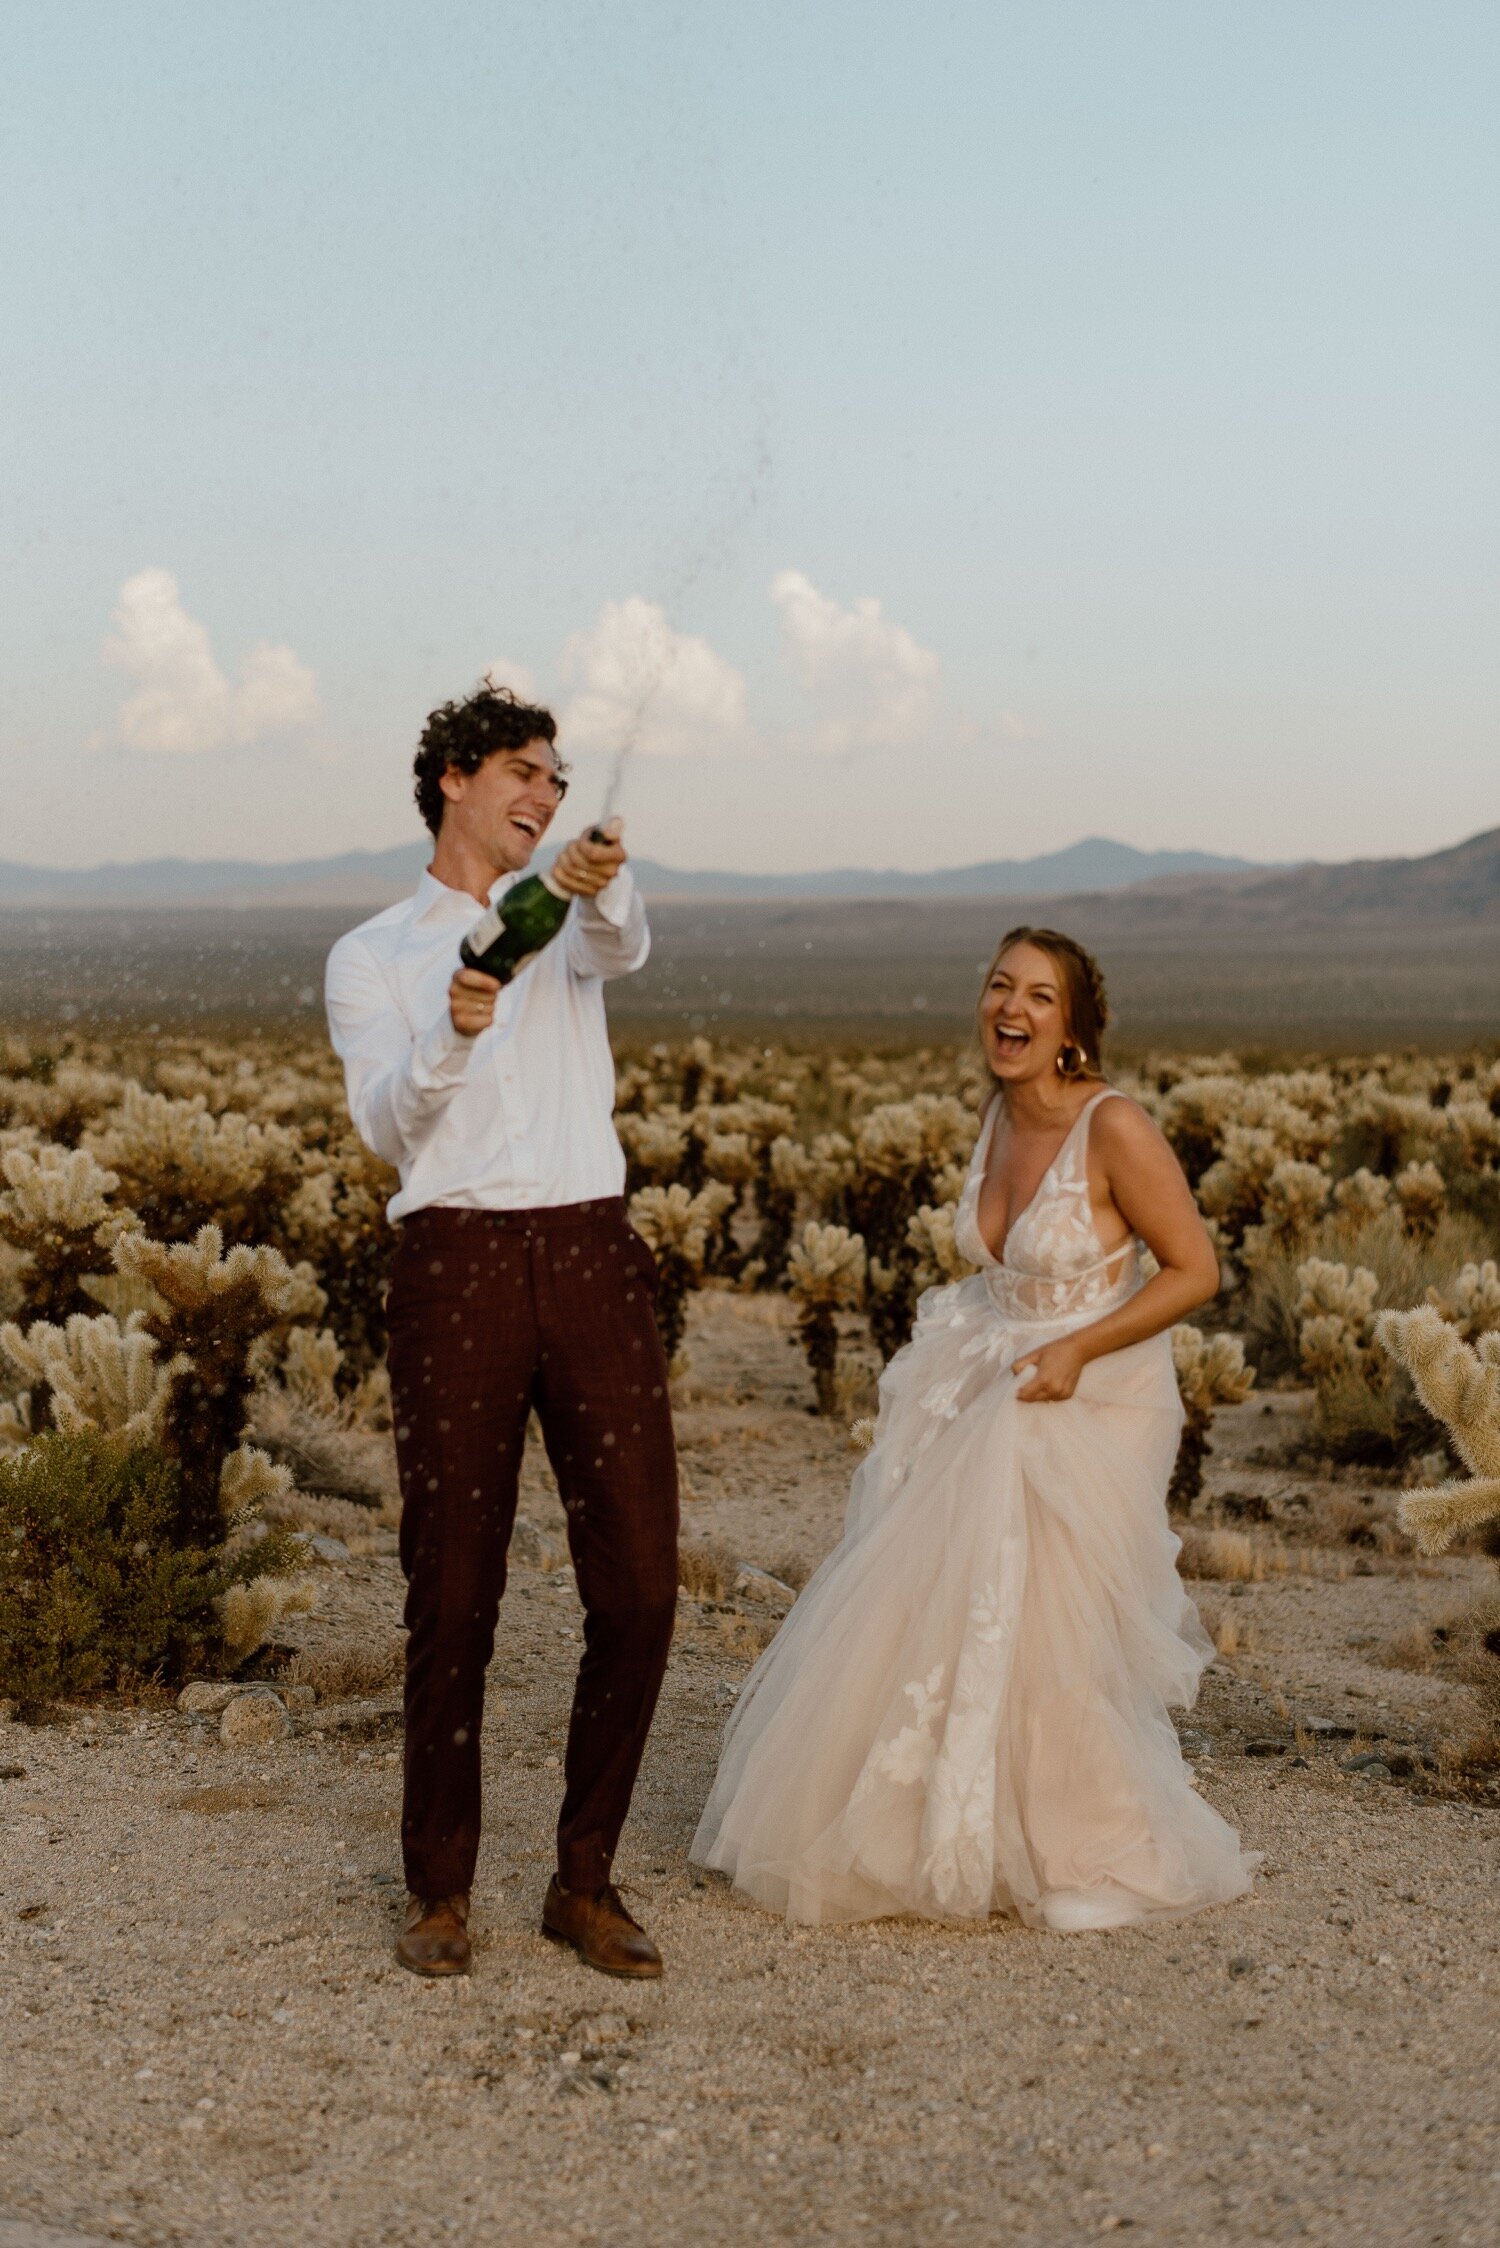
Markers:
1148,1189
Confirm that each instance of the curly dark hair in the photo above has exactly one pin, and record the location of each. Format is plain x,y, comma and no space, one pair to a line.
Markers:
461,735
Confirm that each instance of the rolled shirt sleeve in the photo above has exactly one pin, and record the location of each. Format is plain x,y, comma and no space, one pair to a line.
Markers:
608,935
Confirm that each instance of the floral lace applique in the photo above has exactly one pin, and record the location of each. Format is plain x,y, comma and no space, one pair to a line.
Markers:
906,1759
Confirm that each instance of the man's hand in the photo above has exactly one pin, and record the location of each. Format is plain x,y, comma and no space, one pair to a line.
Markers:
1054,1371
582,868
471,1001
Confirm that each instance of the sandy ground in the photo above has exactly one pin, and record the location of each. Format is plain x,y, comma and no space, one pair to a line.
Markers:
206,2039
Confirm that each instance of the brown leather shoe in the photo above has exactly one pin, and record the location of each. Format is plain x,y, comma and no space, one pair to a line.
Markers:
600,1930
435,1940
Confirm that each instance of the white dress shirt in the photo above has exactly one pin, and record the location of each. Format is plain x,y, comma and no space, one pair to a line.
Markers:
519,1118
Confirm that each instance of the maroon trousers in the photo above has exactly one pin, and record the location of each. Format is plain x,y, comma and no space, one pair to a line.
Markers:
492,1313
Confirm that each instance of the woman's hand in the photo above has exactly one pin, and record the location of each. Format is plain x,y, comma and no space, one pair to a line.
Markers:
1054,1370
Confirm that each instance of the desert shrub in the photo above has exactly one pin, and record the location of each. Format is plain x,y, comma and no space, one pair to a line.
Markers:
96,1587
348,1668
1405,1269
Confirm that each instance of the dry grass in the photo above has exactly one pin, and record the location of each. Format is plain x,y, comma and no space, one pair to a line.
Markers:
1233,1556
1463,1644
347,1670
706,1569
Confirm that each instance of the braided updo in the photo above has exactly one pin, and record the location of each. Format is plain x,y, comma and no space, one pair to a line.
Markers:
1085,1004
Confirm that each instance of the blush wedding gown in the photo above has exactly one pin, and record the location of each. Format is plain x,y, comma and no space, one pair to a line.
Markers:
966,1710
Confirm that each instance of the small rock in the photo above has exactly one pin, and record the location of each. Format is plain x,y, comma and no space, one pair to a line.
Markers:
205,1697
251,1720
536,1548
759,1584
1364,1763
1298,1764
1364,1567
1376,1769
1265,1748
1241,1966
1326,1729
326,1549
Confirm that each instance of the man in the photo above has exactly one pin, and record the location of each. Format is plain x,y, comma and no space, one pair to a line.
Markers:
518,1283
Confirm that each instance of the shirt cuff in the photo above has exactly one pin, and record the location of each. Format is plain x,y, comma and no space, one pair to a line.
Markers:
441,1056
615,900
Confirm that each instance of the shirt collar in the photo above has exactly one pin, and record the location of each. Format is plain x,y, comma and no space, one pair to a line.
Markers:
433,897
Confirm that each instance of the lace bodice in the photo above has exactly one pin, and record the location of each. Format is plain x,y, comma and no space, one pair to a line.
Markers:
1054,1269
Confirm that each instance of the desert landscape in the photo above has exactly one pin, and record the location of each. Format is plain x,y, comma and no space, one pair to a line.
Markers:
207,2037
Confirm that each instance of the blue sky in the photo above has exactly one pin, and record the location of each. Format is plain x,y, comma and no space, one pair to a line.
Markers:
940,432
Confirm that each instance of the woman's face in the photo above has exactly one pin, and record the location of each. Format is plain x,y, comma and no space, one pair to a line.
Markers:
1021,1016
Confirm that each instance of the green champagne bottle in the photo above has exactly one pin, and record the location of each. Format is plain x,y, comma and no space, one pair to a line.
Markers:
528,917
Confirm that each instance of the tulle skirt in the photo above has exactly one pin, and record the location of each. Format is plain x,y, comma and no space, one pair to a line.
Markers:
966,1711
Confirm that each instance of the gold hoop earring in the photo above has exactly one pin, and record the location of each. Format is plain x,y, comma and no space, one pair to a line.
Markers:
1072,1061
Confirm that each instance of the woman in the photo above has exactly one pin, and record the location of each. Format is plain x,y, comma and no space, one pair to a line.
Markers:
966,1711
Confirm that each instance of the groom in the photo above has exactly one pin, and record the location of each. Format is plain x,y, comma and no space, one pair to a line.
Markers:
517,1284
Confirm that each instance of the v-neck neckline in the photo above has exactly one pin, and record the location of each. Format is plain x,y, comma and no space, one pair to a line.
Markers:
1035,1194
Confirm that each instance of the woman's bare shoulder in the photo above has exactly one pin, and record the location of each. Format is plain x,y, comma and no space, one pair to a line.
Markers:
1121,1126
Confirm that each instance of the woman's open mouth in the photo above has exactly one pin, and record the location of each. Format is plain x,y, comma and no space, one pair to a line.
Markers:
1010,1043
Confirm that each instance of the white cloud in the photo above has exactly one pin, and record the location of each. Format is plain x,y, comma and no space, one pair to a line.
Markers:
638,682
871,682
181,702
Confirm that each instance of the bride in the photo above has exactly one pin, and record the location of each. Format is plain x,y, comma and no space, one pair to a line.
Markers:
966,1711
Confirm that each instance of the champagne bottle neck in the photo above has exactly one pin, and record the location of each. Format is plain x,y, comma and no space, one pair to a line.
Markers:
547,882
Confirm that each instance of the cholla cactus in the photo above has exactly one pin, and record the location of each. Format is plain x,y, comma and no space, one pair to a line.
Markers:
214,1308
1362,1196
250,1482
56,1211
310,1367
655,1147
1196,1114
1211,1371
1471,1303
677,1227
250,1612
99,1373
182,1168
1234,1188
825,1274
1295,1197
788,1173
930,1237
1461,1385
58,1105
1423,1197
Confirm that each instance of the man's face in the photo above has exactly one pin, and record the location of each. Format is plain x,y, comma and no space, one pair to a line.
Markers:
505,808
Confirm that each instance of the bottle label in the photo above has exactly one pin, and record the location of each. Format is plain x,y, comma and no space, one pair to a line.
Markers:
485,932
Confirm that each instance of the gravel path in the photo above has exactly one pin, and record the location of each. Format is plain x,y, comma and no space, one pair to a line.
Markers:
207,2041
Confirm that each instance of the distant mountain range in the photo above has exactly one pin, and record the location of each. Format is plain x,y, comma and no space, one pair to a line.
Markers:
376,878
1099,886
